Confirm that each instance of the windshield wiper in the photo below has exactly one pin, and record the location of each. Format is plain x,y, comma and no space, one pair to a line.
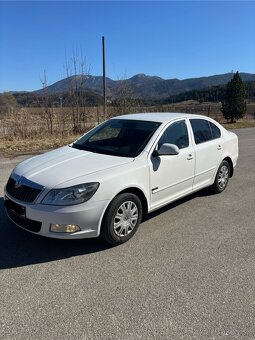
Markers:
89,149
78,146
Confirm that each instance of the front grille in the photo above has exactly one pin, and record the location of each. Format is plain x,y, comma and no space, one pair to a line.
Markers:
23,193
25,223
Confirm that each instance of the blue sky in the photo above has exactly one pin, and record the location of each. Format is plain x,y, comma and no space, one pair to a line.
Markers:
173,39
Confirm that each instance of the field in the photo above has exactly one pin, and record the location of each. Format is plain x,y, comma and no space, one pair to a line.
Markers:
28,130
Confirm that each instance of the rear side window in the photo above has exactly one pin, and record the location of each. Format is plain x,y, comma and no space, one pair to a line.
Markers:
177,134
215,131
201,129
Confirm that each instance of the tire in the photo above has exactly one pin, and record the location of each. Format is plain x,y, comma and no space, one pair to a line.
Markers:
221,178
121,219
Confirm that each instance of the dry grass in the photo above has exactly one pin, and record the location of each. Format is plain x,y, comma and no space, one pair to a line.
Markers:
19,146
240,124
25,131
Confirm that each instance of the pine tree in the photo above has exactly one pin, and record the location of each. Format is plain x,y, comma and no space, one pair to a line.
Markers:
233,104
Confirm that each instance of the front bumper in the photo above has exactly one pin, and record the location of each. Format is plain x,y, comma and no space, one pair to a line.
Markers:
37,218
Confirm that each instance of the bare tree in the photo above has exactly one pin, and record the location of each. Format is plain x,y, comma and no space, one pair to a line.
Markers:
124,96
77,74
48,112
209,110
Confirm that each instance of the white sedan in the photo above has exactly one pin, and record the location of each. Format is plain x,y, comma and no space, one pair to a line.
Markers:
108,180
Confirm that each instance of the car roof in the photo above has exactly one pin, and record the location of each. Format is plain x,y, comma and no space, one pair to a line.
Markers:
160,117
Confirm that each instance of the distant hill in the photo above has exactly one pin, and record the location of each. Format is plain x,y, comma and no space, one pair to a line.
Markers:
144,86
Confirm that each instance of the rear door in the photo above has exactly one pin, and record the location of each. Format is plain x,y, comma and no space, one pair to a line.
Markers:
208,151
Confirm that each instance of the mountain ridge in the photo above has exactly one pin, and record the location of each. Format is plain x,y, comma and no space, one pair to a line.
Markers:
142,85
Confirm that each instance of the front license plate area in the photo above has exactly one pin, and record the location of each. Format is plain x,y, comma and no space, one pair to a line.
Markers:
15,208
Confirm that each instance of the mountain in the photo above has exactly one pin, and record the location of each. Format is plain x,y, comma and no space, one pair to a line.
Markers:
143,86
91,83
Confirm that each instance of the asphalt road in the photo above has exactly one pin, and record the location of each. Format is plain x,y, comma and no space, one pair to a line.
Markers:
189,272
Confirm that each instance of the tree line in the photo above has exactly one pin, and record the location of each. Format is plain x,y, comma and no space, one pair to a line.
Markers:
213,94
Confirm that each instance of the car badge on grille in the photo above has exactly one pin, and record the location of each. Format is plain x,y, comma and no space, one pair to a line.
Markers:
18,183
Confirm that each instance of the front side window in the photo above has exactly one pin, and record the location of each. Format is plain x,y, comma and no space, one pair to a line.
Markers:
176,134
118,137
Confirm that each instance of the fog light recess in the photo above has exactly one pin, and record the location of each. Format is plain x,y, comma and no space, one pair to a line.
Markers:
64,228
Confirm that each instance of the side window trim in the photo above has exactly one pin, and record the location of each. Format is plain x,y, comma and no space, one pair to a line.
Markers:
209,123
191,134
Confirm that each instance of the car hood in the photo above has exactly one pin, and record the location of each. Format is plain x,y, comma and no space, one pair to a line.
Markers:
64,164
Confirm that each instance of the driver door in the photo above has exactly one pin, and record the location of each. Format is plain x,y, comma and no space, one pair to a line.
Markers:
171,176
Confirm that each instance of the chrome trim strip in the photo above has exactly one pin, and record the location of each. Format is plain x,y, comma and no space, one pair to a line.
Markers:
27,182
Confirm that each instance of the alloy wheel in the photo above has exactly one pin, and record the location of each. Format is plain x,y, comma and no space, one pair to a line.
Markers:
223,177
125,219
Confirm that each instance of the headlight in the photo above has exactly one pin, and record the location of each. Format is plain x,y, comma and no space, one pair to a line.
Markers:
70,196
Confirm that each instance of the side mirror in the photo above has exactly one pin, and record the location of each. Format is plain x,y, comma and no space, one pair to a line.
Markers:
167,150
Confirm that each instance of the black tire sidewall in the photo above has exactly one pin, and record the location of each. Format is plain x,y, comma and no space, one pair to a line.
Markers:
216,186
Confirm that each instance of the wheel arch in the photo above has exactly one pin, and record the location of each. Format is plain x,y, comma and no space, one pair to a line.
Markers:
133,190
140,194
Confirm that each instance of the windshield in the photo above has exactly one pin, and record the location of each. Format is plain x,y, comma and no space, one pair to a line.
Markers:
118,137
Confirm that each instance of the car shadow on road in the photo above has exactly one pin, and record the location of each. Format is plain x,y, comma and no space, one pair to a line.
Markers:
20,248
202,193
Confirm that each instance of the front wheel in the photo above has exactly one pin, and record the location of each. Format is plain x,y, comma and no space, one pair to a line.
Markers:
122,219
222,177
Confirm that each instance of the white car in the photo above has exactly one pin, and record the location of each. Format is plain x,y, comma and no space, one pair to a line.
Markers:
108,180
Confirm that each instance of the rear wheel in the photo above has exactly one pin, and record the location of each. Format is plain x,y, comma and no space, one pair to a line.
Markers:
222,177
122,219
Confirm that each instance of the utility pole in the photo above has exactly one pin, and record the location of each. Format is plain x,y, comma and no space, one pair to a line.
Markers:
104,78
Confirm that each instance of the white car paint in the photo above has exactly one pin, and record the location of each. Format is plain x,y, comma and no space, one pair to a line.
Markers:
161,180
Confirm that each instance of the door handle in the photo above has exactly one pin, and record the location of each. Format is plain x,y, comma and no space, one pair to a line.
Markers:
219,147
189,157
